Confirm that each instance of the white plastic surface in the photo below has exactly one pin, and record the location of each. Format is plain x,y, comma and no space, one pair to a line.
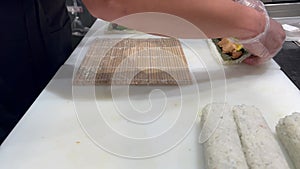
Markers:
50,136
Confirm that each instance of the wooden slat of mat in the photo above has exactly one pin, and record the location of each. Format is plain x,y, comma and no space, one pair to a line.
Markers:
134,61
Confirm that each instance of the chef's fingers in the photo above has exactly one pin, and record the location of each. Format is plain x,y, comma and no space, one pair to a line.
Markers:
266,44
255,60
269,44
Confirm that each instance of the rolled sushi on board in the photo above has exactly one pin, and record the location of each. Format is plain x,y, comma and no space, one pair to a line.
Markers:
225,58
221,143
288,132
260,147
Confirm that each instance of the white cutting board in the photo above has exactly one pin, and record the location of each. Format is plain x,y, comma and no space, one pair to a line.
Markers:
56,133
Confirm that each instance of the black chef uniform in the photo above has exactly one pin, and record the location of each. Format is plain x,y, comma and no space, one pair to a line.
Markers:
35,40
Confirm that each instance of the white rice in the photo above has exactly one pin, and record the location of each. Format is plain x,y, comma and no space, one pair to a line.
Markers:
288,131
260,147
221,143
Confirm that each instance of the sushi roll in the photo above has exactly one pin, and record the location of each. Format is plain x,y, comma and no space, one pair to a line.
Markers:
288,132
260,147
226,51
221,143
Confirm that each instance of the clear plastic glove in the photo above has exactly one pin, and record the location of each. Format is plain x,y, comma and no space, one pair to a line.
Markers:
268,43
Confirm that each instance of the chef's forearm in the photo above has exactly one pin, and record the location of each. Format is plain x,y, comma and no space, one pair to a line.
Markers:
216,18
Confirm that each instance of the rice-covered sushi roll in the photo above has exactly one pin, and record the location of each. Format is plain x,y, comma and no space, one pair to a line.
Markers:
221,143
288,131
260,147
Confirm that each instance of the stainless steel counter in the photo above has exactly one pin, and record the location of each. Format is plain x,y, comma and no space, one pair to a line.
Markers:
289,57
279,10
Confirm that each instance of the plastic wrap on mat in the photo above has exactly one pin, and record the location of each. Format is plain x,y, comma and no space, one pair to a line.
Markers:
159,61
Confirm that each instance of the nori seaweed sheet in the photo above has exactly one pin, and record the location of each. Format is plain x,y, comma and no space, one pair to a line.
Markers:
224,55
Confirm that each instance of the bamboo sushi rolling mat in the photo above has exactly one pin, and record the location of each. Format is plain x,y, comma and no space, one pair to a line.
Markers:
134,61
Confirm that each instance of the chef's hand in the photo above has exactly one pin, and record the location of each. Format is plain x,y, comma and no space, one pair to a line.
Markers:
268,43
267,46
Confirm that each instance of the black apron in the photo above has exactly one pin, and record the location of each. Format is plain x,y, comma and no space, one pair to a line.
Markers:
35,42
